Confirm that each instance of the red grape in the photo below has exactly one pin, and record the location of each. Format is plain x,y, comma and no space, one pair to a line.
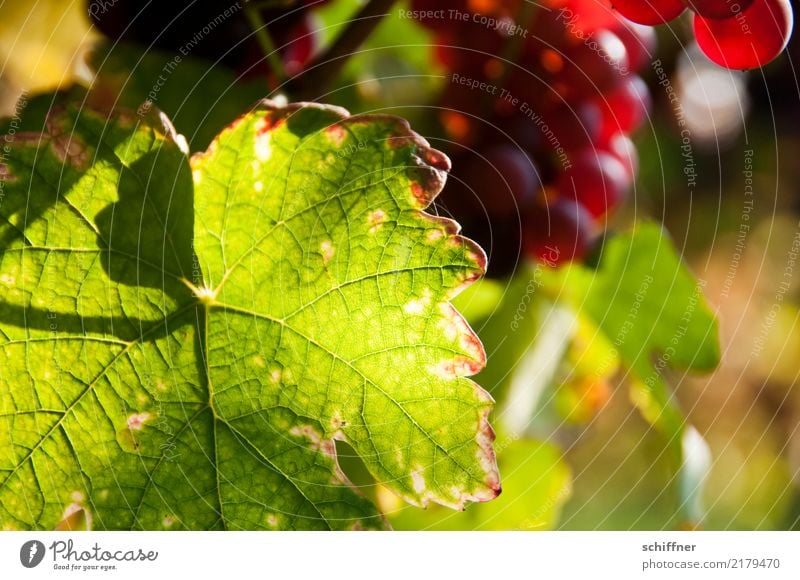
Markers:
557,64
558,233
301,45
597,180
640,43
626,107
597,65
650,12
751,39
586,15
621,147
717,8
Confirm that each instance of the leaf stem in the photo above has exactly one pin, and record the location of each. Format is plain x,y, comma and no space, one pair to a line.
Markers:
265,40
329,64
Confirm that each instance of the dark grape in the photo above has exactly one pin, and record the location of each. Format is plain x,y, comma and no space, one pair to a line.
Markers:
569,69
597,180
597,65
501,238
650,12
717,8
575,127
519,131
751,39
558,233
504,178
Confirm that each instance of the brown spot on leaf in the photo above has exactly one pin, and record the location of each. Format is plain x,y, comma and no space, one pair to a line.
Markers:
446,226
400,140
310,433
419,193
418,480
267,123
375,220
169,521
436,159
327,249
336,133
426,183
136,421
56,121
328,447
337,422
6,175
457,367
27,138
71,149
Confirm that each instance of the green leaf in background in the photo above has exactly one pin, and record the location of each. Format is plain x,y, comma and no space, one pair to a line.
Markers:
640,307
646,301
480,300
536,484
199,97
181,344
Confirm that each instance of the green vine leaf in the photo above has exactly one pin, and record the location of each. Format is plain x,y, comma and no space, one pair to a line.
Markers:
650,306
182,343
537,482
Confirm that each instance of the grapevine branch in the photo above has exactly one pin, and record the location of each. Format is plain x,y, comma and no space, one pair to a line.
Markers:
265,41
327,66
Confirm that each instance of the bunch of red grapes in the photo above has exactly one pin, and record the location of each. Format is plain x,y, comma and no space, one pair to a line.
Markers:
540,104
739,34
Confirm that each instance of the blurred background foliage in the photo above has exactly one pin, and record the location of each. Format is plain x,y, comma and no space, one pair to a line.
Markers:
587,459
